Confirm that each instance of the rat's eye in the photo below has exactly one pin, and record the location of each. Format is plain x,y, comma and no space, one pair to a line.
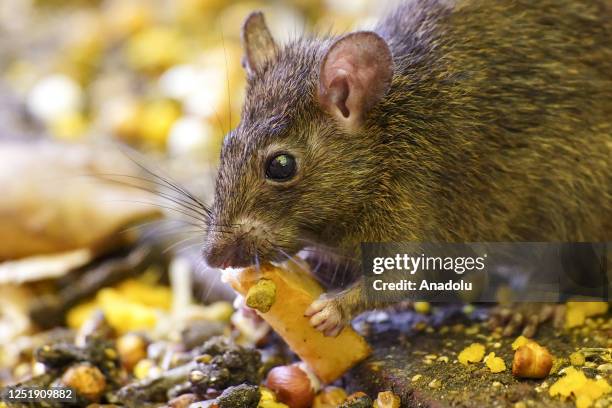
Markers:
281,167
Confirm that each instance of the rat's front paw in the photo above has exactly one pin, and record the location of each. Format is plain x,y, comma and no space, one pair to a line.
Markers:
326,316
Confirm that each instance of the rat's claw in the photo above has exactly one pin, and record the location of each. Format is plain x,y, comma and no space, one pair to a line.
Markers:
315,307
326,316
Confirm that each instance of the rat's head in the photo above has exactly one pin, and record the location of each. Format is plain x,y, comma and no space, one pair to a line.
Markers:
302,165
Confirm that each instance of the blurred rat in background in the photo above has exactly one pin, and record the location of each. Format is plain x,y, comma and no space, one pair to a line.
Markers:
451,121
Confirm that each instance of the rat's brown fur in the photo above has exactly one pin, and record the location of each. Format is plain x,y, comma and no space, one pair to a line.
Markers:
497,127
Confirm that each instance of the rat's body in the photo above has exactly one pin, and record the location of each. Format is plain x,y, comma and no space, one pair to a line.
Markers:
453,121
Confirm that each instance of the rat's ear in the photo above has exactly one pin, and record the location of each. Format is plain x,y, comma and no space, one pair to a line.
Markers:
355,74
258,43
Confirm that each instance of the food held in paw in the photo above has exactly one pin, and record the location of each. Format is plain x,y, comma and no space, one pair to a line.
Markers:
328,357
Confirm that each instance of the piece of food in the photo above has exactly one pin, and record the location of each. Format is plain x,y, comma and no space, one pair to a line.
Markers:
495,364
132,348
268,399
131,305
261,296
471,354
422,307
519,341
577,358
142,368
531,361
387,399
577,312
296,289
292,386
330,397
86,379
585,390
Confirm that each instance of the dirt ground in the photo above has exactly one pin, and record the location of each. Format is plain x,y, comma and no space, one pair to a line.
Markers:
420,364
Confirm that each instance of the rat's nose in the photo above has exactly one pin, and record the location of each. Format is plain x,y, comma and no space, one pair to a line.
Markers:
222,253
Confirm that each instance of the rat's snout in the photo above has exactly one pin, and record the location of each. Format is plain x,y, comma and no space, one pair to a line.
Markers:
239,248
233,252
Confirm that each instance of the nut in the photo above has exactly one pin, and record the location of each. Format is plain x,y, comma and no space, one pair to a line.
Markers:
531,361
387,399
291,385
86,379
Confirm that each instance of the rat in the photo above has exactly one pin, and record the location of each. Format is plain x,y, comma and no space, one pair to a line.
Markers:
450,121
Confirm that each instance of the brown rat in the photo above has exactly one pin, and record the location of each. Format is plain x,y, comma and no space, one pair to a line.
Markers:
451,121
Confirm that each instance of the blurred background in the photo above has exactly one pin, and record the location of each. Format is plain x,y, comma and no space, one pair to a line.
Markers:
159,75
112,115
